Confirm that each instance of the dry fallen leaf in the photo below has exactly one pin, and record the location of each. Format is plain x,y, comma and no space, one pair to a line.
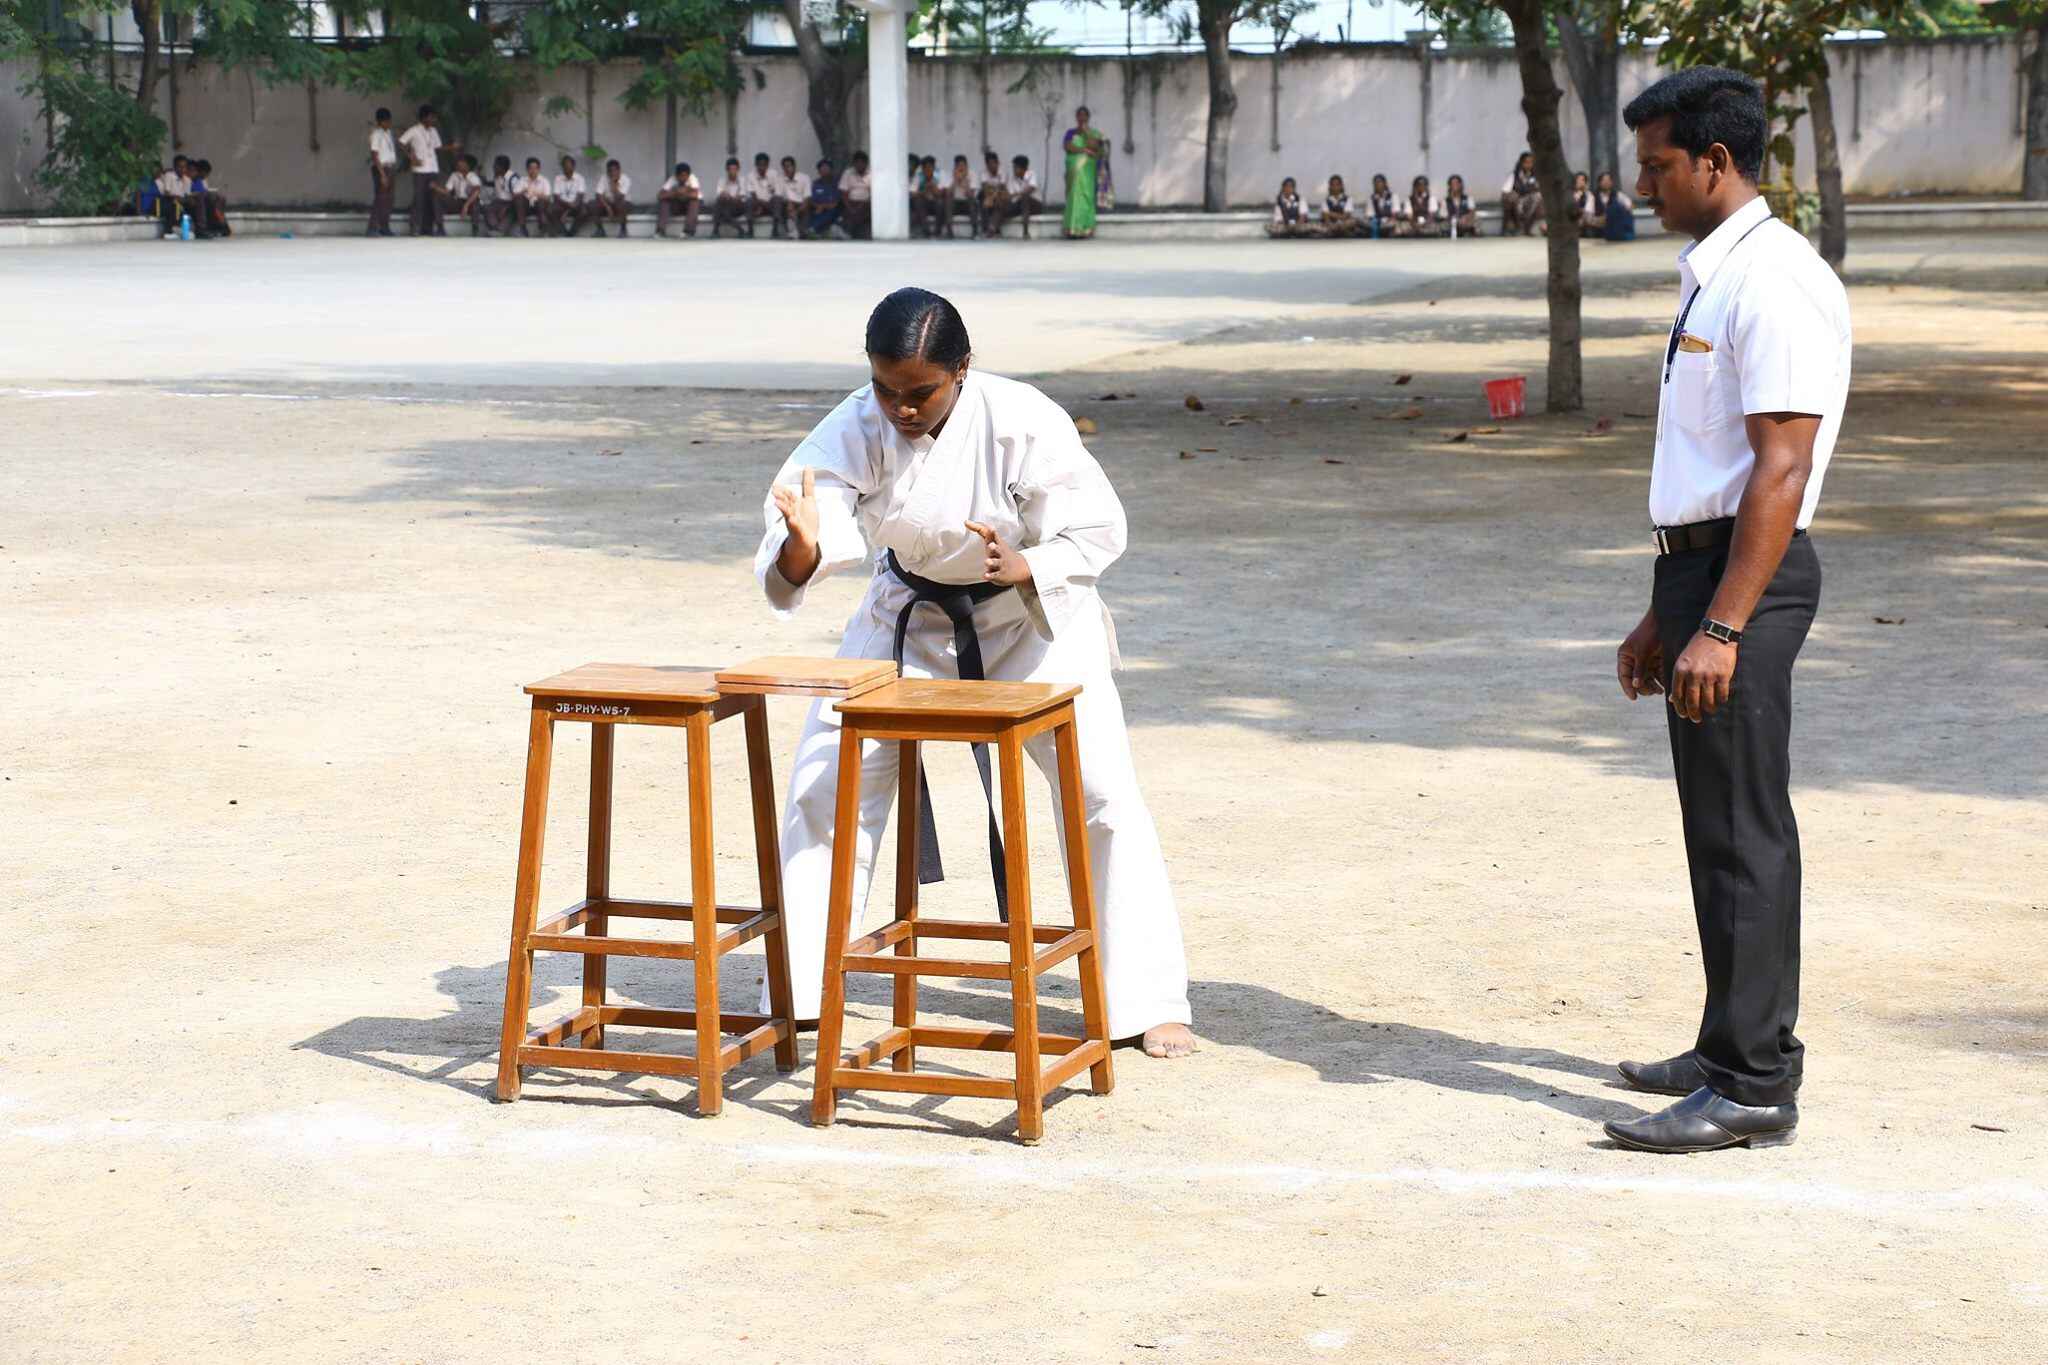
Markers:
1404,415
1486,431
1403,378
1237,421
1109,398
1206,450
1086,426
611,452
1187,454
1194,404
1294,402
1458,436
1889,620
1601,427
1327,460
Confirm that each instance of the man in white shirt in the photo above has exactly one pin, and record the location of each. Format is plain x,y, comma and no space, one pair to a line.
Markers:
1023,187
796,197
729,201
681,194
532,198
383,174
459,194
856,195
174,194
763,189
1754,377
611,201
571,198
423,146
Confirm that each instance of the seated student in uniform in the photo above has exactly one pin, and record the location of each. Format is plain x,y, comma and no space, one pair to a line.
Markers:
928,195
681,195
571,207
937,475
211,202
1521,200
857,186
764,195
1617,211
494,200
173,190
1382,212
991,197
1024,197
141,200
960,198
1420,214
1290,215
610,204
827,206
1339,218
794,199
1582,206
729,201
460,192
532,205
1459,211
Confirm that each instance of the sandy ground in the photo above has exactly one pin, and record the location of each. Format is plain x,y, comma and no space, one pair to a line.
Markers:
263,635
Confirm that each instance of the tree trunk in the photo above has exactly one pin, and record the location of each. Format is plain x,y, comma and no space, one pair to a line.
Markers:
826,76
149,18
1564,389
2034,174
1592,55
1827,169
1214,22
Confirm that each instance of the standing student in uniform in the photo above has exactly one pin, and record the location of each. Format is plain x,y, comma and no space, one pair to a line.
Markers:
383,175
682,194
959,487
1754,379
611,203
794,197
423,146
857,188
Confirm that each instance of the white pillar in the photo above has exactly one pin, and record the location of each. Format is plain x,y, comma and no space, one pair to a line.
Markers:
889,114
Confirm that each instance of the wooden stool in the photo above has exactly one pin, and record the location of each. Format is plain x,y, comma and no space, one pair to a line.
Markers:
1005,714
605,696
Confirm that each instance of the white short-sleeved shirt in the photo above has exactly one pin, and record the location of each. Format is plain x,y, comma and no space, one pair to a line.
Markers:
464,183
1021,185
571,187
857,186
1777,322
423,145
622,187
689,182
534,188
796,187
173,186
732,187
383,147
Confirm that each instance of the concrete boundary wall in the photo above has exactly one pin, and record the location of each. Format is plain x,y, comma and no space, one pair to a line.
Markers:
1941,116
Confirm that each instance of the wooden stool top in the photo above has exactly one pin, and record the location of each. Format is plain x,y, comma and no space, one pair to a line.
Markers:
631,682
791,676
916,699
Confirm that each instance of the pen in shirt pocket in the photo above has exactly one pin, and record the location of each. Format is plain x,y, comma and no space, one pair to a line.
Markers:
1693,345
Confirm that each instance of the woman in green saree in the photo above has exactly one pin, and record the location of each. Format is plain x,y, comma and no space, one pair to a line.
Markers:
1087,153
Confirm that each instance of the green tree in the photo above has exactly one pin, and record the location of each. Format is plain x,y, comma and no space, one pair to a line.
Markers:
1530,21
1592,34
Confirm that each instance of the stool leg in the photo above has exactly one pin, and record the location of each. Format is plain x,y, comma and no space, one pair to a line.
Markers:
768,857
832,1003
704,921
597,872
904,998
533,822
1081,890
1023,947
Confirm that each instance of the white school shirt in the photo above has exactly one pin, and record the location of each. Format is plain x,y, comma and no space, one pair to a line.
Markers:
983,179
688,182
857,186
533,187
460,183
1432,209
173,186
622,189
1021,185
731,187
382,147
766,185
1778,322
1008,457
571,187
796,188
423,145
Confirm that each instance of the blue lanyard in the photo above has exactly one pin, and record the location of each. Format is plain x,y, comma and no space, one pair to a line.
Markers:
1678,327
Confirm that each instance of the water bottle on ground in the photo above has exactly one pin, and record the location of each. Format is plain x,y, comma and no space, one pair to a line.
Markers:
184,227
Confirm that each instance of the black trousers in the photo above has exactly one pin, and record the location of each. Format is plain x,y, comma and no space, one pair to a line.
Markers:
426,208
1741,842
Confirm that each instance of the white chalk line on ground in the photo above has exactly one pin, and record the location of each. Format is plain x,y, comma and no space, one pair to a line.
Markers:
330,1131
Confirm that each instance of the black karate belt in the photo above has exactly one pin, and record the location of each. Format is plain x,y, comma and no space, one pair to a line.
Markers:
958,601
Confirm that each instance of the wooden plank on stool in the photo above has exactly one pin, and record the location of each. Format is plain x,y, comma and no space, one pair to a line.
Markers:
923,1083
937,699
926,966
783,675
632,682
613,946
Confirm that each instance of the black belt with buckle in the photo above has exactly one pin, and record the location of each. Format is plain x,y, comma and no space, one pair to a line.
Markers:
1700,535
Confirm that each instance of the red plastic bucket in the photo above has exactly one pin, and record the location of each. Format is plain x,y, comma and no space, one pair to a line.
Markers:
1507,397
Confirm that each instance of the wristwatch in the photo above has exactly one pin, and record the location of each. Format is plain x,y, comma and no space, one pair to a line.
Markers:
1720,630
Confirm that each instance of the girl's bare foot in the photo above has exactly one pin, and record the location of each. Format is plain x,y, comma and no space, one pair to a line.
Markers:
1169,1040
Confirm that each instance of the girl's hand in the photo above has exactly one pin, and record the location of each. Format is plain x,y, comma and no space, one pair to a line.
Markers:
1000,564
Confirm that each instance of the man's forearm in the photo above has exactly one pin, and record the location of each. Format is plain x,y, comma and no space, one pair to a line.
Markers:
1764,519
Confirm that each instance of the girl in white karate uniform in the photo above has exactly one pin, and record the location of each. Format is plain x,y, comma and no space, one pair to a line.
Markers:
967,479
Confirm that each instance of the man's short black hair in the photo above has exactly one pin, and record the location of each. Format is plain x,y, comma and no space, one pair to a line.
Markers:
425,109
1706,105
382,114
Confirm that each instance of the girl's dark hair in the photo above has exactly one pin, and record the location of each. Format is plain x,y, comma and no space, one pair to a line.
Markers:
916,324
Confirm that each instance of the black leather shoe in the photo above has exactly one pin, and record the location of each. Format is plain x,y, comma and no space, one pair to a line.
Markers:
1706,1122
1680,1075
